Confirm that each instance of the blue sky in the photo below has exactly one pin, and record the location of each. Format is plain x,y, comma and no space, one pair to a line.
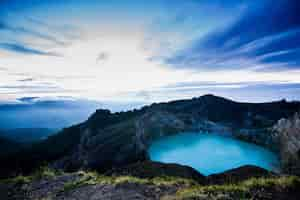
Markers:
135,50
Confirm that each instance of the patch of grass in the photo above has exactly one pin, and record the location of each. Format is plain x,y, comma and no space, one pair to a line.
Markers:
20,180
284,181
170,180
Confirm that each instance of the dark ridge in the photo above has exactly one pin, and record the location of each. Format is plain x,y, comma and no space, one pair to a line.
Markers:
149,169
103,118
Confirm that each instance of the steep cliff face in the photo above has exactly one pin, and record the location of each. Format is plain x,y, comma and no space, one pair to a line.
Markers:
123,142
104,147
287,133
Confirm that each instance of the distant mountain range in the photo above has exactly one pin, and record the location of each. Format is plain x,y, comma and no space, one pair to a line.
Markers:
35,112
53,114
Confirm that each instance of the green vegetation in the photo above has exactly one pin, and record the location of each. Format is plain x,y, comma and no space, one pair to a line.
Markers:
42,173
243,190
93,178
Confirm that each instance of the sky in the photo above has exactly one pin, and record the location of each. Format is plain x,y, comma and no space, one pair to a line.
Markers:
149,51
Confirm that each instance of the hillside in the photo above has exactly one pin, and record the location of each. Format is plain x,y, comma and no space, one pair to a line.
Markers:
126,136
109,140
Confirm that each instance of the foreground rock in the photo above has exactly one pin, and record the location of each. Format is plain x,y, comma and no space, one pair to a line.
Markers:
55,189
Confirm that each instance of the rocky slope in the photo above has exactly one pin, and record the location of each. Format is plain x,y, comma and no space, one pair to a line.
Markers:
287,133
107,140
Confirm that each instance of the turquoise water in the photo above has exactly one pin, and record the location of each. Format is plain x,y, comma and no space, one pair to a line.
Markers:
210,153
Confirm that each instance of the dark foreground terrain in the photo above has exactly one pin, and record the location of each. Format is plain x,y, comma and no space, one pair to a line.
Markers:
148,180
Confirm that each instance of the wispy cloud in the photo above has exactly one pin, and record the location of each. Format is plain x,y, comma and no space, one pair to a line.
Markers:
19,48
43,90
259,91
66,31
265,38
26,31
38,33
28,87
26,80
